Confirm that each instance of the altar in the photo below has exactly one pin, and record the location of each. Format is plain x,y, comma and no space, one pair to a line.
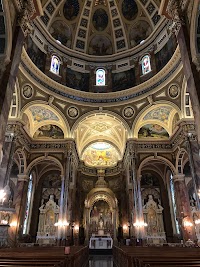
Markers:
100,242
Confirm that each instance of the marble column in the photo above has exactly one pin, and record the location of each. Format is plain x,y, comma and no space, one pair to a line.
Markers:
184,215
19,201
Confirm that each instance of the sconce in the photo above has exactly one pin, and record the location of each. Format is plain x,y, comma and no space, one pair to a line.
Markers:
76,228
13,224
197,221
187,223
125,228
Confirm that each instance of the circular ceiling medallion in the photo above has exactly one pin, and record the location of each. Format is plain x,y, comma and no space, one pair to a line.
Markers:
128,112
174,91
27,91
72,112
100,19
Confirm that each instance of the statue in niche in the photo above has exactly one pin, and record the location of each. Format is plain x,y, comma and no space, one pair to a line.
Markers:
153,216
49,214
95,215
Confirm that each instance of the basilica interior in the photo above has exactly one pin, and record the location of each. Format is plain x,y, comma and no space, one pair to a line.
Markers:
99,121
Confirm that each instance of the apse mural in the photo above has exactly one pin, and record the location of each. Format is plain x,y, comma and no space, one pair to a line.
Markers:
153,131
100,46
123,80
139,32
100,19
160,113
71,9
61,32
100,154
41,114
129,9
49,132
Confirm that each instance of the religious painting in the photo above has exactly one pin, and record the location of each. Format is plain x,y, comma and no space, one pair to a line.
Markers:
123,80
139,32
41,114
101,215
36,55
160,113
153,131
61,32
100,77
146,64
77,80
100,46
71,9
165,54
100,19
48,131
55,65
100,154
129,9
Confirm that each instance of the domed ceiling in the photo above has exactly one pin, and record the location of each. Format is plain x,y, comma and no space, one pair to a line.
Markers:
100,27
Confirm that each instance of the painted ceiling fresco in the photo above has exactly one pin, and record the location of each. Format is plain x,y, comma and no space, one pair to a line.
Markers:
100,154
160,113
42,114
153,131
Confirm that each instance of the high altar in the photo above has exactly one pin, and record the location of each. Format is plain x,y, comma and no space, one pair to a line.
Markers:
153,217
49,213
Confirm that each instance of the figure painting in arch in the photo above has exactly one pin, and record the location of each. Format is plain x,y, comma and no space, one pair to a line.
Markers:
129,9
100,19
71,9
100,77
61,32
139,32
77,80
123,80
100,46
48,131
146,64
55,65
153,131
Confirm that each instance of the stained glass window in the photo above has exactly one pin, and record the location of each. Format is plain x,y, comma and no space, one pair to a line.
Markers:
28,205
100,77
55,65
146,64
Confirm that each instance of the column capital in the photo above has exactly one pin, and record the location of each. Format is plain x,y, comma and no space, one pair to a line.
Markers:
178,177
23,177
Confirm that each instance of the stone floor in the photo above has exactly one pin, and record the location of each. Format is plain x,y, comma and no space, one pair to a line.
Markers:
101,261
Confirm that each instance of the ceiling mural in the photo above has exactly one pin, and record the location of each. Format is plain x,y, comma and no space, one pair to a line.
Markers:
129,9
100,154
139,32
42,114
49,131
100,19
100,46
71,9
61,32
160,113
153,131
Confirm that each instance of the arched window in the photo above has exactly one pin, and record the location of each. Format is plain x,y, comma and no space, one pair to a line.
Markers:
100,77
146,64
55,65
29,200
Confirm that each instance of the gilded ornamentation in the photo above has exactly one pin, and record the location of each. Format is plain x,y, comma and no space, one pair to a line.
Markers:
128,112
73,112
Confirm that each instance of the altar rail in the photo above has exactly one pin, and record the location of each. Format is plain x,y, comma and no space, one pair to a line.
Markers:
44,256
156,256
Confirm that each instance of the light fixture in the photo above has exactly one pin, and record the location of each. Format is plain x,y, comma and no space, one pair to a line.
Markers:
187,224
197,221
76,228
125,228
2,196
13,224
140,224
61,223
